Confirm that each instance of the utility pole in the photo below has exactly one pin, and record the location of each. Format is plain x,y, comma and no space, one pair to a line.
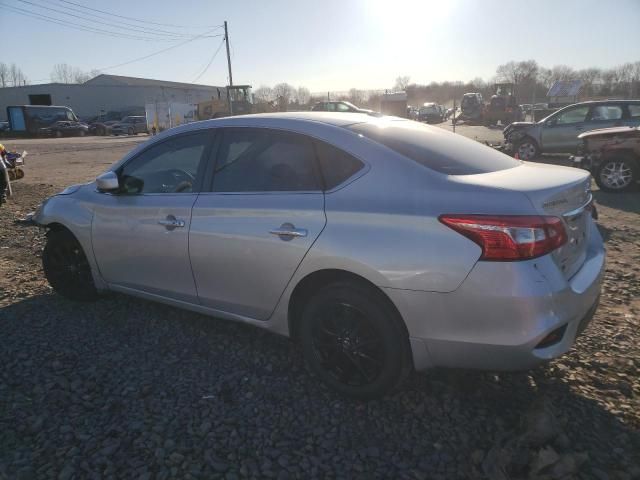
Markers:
226,39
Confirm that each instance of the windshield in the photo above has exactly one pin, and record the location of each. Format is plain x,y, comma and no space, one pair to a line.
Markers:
435,148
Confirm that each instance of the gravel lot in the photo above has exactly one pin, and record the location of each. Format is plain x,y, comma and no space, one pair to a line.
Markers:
124,388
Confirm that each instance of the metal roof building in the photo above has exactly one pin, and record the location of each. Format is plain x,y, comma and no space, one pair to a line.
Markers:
107,95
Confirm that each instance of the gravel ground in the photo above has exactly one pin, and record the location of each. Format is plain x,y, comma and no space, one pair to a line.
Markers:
124,388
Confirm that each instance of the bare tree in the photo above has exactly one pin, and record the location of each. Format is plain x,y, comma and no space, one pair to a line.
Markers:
79,76
304,95
284,93
62,73
16,76
4,75
401,83
264,94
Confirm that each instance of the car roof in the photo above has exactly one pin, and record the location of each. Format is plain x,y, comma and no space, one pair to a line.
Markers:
338,119
602,102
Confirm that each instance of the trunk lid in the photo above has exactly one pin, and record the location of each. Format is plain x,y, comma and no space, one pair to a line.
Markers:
552,190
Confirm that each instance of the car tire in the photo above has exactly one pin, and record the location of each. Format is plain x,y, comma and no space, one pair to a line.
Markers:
617,174
354,341
130,131
66,267
58,134
82,133
527,149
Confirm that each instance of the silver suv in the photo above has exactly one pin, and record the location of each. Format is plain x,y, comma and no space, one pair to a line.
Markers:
558,133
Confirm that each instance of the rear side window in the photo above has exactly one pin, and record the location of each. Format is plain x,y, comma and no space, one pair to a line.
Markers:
435,148
606,112
634,111
336,165
262,160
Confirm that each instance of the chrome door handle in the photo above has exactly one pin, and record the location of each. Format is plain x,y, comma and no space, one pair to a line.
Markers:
171,223
287,231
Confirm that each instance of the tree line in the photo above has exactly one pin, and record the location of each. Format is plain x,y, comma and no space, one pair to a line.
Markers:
532,82
12,76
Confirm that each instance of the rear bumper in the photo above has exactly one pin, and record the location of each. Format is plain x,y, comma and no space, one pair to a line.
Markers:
501,313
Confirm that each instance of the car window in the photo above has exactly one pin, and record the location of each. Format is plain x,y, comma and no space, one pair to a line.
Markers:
606,112
330,107
172,166
262,160
336,165
573,115
634,110
434,148
341,107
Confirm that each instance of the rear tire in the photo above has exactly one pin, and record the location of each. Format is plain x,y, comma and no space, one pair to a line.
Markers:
66,267
354,341
617,174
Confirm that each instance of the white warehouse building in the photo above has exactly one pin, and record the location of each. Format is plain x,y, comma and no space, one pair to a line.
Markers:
107,95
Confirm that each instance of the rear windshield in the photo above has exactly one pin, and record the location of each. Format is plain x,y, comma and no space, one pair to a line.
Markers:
436,148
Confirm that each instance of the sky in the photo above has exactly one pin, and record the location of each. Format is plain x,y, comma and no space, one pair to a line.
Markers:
323,44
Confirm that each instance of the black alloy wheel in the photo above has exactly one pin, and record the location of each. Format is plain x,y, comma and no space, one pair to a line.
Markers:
347,345
67,268
354,340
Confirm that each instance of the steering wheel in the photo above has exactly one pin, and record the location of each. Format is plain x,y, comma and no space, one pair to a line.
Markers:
185,179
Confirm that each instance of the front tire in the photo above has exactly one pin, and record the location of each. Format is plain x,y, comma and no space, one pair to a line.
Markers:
66,267
617,174
527,149
354,341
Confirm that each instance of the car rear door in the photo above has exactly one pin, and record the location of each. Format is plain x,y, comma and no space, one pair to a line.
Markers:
140,234
264,210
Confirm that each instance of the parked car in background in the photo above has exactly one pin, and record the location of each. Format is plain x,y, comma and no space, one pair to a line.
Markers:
101,128
430,113
413,113
33,120
289,224
4,126
130,126
612,155
341,106
472,107
65,128
558,132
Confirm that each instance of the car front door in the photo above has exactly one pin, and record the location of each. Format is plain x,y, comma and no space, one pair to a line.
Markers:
560,132
263,212
140,233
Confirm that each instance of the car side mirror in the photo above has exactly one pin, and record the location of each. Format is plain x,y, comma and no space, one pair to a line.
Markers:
107,182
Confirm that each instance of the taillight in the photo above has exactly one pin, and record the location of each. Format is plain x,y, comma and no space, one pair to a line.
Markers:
510,237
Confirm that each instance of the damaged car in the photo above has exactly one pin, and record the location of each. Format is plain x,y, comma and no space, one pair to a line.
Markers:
612,155
558,132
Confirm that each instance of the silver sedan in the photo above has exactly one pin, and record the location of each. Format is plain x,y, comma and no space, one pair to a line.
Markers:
381,245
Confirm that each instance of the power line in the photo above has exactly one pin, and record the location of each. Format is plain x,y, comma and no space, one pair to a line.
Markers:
210,62
101,16
136,19
198,37
65,23
137,29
